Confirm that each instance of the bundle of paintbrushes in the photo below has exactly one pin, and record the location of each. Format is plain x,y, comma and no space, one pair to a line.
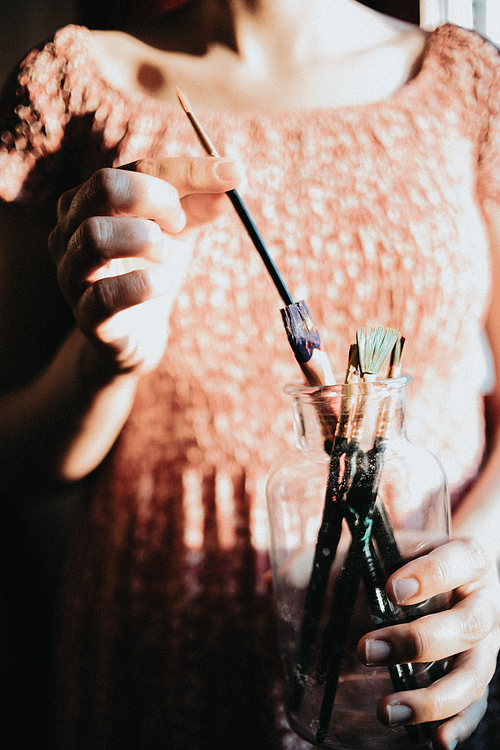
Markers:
351,499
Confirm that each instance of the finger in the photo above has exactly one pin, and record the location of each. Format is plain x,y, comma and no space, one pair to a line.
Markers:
447,567
457,729
101,239
465,684
193,174
115,192
200,182
108,296
432,637
123,192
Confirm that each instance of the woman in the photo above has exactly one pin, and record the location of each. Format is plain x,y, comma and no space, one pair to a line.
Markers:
147,356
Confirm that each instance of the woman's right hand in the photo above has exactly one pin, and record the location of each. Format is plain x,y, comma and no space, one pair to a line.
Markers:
468,632
122,246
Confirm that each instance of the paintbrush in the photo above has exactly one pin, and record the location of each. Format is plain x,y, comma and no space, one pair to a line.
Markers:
373,344
327,539
302,332
396,354
238,204
382,530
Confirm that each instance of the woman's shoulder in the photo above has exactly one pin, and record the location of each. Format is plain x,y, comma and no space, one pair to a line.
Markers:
48,104
464,51
68,49
466,77
56,71
464,67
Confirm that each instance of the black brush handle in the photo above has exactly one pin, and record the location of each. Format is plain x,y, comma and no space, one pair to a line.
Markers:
257,240
385,539
342,604
324,555
344,600
361,496
360,564
402,676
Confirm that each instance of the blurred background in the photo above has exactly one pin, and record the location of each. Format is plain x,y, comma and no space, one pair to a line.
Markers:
24,25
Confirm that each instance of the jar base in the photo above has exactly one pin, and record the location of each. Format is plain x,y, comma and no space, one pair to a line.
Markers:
354,723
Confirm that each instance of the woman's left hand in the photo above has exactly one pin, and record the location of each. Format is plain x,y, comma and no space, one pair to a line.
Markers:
470,629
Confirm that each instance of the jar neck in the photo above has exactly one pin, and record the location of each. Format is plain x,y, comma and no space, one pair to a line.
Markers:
360,413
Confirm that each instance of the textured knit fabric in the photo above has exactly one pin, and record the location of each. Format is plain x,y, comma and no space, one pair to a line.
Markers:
372,214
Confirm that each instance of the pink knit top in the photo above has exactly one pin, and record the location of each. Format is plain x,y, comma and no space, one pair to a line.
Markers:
372,214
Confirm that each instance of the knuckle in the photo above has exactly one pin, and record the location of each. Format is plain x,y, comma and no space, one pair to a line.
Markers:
194,172
108,185
478,685
110,295
436,701
104,296
93,232
160,168
152,167
439,571
474,627
188,172
418,639
140,286
476,554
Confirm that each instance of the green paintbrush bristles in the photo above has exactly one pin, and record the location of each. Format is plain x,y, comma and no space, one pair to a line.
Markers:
375,343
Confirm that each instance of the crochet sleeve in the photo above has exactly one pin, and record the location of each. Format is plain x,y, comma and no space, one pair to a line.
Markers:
48,137
487,93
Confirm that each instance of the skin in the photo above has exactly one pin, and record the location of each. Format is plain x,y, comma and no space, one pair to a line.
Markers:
120,251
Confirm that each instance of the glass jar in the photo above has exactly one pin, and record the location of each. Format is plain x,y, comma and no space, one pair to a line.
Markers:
347,507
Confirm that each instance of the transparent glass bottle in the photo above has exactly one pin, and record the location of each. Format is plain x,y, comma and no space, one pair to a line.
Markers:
342,520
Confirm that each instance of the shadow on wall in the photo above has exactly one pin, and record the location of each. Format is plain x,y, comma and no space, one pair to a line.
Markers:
24,25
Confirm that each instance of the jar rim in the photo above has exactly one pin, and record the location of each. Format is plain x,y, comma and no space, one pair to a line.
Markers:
299,389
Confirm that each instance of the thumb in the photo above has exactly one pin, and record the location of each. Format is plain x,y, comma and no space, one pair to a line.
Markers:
192,174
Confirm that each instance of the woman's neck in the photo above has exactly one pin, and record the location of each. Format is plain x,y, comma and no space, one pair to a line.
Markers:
274,54
285,34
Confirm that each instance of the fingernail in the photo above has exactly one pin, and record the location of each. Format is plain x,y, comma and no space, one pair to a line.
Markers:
228,171
376,651
404,588
453,744
399,713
